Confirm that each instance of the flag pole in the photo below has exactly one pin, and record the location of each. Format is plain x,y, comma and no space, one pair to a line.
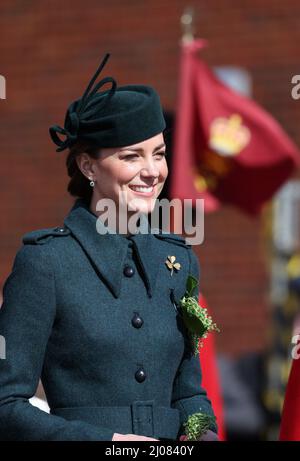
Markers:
187,28
187,25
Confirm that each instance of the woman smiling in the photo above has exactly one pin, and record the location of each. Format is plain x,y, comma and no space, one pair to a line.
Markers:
92,313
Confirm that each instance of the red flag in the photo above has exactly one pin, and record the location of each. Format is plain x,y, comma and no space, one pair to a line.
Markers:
290,422
211,380
227,149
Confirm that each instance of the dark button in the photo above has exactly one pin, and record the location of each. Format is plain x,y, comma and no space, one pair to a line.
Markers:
137,321
128,271
140,375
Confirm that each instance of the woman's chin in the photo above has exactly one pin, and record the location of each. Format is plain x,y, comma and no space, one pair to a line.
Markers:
141,205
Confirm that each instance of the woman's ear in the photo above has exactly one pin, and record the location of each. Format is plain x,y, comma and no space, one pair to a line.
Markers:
84,163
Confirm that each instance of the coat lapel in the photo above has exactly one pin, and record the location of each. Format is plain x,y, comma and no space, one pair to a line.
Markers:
106,252
146,252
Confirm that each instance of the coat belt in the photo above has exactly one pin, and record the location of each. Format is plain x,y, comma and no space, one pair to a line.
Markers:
142,417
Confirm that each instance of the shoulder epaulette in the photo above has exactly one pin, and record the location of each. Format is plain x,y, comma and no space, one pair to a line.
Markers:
172,238
41,236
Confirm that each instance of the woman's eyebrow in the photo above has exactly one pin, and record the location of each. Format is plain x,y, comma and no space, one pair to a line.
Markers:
139,149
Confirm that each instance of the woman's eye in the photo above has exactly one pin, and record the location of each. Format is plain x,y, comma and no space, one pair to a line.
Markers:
133,156
130,157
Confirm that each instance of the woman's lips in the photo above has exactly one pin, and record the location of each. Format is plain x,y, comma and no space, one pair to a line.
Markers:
138,190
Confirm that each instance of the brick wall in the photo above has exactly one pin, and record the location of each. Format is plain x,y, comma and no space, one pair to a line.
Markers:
49,49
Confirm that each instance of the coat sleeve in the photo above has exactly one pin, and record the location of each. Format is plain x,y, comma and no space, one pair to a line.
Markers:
26,319
188,395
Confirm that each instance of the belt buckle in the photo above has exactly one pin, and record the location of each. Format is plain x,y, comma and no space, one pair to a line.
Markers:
143,417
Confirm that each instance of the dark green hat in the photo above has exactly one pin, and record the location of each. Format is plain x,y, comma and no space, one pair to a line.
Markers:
116,117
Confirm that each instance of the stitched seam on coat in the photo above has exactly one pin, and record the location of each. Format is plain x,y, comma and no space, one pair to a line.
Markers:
183,409
49,257
190,261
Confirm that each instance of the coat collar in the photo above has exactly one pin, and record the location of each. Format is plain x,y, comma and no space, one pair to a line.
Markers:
107,252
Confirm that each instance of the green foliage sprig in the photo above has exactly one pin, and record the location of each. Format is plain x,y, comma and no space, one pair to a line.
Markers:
195,317
197,424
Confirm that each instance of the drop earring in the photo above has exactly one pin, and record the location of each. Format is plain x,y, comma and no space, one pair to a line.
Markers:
92,182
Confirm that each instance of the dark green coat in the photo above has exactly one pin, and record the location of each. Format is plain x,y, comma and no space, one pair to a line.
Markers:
108,343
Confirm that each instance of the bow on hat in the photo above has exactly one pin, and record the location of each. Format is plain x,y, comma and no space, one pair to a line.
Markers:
82,110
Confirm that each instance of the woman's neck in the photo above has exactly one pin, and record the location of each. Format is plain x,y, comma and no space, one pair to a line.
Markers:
114,223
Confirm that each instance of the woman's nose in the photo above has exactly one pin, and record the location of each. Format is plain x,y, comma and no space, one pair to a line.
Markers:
150,169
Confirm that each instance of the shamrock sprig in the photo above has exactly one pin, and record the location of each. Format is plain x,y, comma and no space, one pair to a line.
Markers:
195,317
197,424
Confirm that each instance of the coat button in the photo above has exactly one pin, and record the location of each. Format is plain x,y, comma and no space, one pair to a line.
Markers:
137,321
59,229
140,375
128,271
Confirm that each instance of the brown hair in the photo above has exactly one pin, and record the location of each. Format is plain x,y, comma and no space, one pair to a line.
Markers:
79,185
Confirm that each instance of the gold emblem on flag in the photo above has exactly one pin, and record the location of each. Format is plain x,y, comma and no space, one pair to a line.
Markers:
228,136
212,168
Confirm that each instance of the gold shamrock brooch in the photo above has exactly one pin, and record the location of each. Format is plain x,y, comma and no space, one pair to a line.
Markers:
171,264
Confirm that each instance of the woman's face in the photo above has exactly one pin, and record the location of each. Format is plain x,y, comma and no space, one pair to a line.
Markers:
137,172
